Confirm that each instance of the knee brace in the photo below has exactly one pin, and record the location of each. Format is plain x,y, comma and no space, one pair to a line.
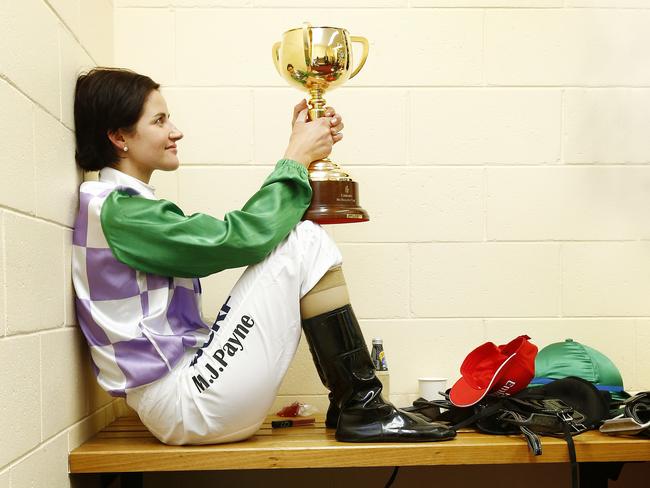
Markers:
330,293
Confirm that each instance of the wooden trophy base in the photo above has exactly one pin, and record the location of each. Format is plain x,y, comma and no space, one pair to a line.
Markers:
335,202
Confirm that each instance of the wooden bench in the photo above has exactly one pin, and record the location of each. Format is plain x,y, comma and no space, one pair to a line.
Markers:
127,449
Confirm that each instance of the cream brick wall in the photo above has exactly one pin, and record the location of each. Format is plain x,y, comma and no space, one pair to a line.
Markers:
501,148
50,401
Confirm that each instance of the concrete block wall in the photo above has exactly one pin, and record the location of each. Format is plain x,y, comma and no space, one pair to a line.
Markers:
50,402
500,145
501,149
510,143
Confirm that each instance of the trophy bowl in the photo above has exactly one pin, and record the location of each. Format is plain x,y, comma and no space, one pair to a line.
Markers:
317,59
311,56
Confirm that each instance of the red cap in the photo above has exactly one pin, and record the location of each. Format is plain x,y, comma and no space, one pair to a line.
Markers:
503,370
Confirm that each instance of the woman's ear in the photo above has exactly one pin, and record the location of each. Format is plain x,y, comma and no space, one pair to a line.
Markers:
118,141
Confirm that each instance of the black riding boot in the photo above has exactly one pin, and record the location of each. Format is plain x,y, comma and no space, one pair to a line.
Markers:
344,364
332,417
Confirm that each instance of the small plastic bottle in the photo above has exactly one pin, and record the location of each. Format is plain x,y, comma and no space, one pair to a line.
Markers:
381,365
378,355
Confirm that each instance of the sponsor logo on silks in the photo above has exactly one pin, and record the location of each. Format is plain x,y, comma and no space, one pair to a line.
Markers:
232,346
503,391
221,316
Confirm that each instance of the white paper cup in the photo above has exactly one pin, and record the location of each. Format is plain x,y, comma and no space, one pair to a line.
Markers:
384,377
430,387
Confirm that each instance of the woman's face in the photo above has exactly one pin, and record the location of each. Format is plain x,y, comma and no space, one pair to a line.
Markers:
153,143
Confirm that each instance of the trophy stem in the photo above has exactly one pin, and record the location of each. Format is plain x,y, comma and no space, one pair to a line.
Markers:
316,102
323,169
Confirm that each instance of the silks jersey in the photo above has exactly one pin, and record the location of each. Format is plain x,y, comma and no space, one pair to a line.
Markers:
136,264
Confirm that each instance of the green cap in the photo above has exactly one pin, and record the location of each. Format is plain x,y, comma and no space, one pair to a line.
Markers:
570,358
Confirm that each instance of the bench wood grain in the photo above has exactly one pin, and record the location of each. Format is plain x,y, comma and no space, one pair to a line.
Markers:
126,446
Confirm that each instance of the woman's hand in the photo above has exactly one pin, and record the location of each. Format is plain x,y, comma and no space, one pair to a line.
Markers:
313,140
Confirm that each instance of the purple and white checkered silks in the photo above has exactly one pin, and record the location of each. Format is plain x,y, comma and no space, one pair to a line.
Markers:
137,324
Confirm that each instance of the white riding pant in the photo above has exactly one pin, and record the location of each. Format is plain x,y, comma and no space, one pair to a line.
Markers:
222,391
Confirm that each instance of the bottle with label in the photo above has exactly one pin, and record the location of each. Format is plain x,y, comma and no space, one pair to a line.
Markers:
381,365
378,355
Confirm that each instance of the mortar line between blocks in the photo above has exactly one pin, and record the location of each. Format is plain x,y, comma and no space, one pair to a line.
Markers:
562,275
36,103
637,327
174,45
483,48
350,87
407,133
44,443
243,165
40,386
562,123
60,19
72,33
59,35
22,213
39,332
71,314
486,195
34,175
3,234
499,241
251,94
592,318
409,277
247,9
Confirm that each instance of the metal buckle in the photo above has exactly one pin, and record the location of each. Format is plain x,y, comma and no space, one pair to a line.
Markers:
567,418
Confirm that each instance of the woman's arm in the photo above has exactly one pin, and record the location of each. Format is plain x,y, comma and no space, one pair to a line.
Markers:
155,236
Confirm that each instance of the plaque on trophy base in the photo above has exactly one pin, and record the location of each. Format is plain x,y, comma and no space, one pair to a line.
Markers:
335,202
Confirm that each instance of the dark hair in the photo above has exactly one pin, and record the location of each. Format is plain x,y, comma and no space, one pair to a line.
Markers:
106,99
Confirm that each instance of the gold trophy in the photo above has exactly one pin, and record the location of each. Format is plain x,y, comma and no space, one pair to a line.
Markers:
317,59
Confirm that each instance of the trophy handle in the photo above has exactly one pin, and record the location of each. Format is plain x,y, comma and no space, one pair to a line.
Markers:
276,58
364,56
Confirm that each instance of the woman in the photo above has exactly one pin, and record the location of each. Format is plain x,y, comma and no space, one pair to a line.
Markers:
136,267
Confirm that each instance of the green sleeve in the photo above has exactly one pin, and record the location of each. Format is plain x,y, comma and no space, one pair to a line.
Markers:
155,236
